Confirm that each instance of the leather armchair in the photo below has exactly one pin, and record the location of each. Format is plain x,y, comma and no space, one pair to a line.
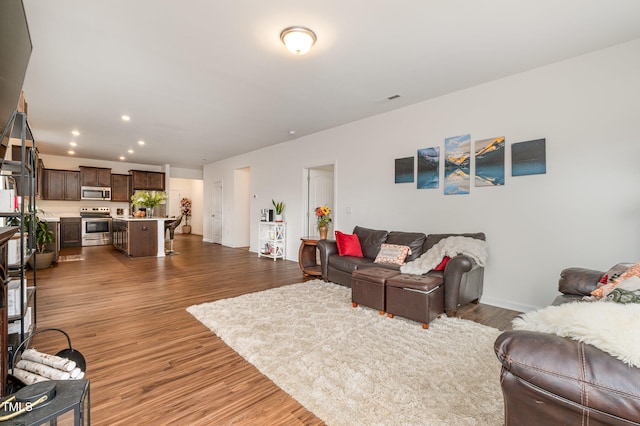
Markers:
548,379
552,380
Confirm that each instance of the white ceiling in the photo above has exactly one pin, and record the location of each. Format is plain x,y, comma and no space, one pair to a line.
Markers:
205,80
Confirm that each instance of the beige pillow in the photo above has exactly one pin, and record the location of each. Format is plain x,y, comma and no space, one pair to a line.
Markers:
393,254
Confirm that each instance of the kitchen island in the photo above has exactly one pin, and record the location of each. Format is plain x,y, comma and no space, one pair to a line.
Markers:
138,237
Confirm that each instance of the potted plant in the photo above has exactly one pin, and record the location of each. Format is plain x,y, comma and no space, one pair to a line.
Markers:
43,257
185,208
149,200
43,237
279,207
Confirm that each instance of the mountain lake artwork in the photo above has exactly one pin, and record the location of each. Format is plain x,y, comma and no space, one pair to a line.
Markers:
404,170
529,158
490,162
428,167
457,157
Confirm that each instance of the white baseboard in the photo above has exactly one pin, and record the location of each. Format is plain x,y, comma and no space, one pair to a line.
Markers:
508,305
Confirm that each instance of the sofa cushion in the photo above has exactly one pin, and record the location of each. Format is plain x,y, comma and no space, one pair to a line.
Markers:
348,244
433,239
349,263
415,241
392,253
370,240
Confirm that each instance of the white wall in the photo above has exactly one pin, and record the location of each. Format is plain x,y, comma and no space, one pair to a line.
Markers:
584,211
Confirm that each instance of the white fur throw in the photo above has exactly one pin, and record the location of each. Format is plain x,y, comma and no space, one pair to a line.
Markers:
450,246
611,327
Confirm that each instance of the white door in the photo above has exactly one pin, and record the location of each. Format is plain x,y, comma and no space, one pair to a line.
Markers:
320,182
217,212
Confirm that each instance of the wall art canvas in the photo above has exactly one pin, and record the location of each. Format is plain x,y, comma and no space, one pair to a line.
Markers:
457,153
529,158
428,167
404,170
489,155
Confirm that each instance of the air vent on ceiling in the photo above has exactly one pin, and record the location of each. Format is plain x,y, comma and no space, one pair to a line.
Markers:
388,99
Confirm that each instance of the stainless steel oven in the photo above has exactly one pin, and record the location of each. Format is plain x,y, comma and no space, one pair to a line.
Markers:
96,226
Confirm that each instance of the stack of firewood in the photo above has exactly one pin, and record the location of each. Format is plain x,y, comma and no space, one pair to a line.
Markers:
36,367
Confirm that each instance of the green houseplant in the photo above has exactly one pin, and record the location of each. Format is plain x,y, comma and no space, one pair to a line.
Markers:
148,200
43,237
279,208
44,257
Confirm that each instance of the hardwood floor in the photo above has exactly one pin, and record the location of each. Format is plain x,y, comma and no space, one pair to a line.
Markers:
148,359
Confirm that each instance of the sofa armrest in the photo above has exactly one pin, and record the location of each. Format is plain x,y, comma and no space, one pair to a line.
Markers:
580,281
326,249
463,282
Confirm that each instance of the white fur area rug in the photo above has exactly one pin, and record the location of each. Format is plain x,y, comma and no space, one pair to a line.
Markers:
611,327
353,366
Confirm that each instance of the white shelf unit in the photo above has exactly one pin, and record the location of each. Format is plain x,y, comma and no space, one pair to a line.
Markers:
272,240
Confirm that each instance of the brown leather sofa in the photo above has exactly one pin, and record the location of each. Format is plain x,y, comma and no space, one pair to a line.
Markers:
552,380
463,277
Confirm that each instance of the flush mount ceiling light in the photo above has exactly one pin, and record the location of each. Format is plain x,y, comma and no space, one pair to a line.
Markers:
298,39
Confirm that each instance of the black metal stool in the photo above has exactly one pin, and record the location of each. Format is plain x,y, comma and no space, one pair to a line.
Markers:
171,227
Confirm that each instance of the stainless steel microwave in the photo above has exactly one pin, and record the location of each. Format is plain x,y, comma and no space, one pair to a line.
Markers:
95,193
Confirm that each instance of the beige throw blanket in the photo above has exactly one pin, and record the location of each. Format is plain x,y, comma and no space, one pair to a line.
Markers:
450,246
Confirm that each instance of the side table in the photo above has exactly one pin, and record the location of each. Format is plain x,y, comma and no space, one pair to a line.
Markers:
307,255
71,396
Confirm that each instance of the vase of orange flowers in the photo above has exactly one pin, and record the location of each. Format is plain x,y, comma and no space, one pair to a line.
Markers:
323,214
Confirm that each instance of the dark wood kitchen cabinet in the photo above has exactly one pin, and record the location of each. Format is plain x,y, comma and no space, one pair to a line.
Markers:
120,188
61,185
70,232
144,180
95,176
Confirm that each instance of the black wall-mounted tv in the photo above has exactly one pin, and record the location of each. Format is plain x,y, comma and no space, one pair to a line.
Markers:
15,51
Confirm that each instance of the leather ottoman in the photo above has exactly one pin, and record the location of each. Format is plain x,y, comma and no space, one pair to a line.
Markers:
367,287
416,297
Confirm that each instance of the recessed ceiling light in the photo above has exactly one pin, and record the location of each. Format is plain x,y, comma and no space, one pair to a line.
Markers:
122,158
292,132
71,152
125,118
75,133
130,151
140,142
73,143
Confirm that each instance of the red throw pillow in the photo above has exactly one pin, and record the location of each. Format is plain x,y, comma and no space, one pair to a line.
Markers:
348,244
442,264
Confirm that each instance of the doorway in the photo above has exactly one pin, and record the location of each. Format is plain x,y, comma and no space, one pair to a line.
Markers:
320,184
